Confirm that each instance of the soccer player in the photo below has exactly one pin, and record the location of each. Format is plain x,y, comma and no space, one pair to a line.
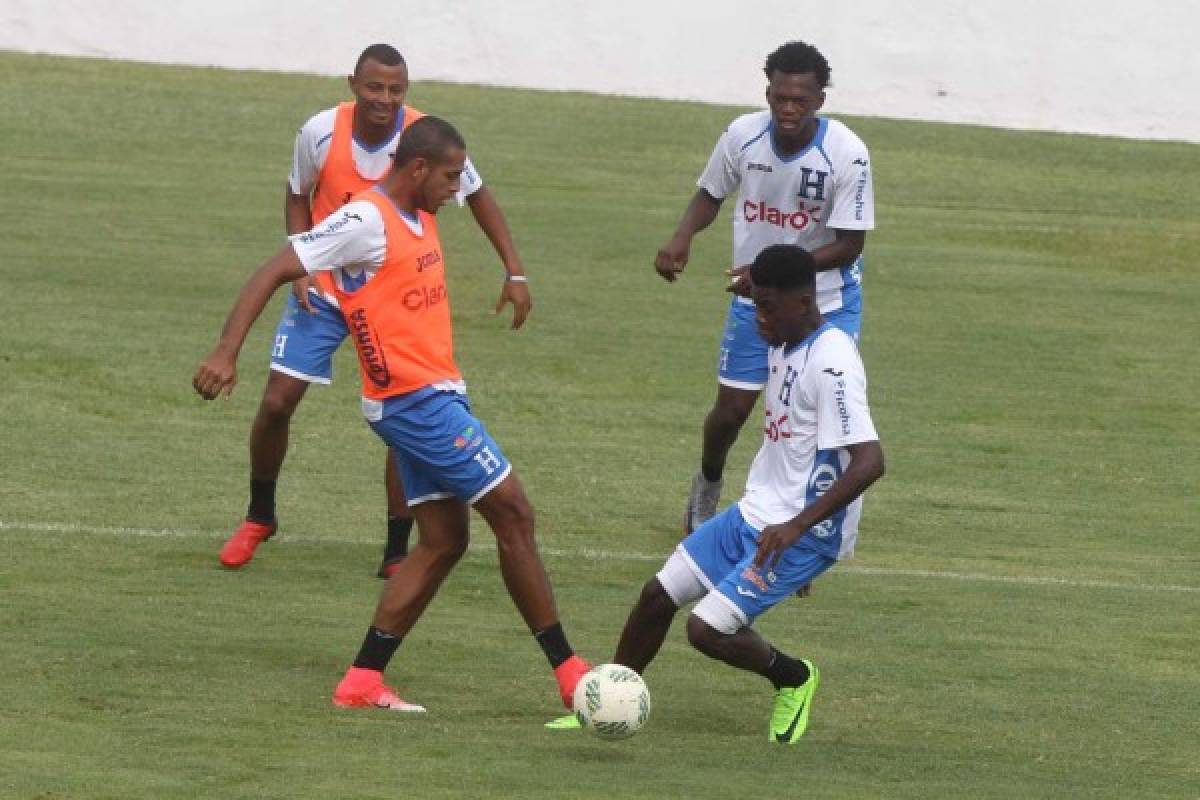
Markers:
388,275
804,180
338,153
801,508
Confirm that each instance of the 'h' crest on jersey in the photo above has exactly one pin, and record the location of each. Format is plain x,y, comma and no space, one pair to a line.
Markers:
812,184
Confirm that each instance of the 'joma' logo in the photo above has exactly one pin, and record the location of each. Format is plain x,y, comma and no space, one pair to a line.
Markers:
370,350
862,162
837,373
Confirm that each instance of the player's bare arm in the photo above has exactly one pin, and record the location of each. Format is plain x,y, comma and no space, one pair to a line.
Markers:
297,218
491,221
866,466
673,256
217,373
842,251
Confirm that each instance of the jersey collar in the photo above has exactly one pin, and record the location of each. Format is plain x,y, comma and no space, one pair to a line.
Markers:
386,142
807,341
817,140
412,220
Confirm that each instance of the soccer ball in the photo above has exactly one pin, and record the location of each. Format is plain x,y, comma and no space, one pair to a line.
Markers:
612,701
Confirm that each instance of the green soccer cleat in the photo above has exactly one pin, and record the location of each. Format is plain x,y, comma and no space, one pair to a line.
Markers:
570,722
792,704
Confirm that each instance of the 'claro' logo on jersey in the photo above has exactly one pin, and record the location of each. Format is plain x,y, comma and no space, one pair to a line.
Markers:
424,297
776,428
370,352
798,220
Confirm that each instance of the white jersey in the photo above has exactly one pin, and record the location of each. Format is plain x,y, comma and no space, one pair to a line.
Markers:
815,404
312,147
798,199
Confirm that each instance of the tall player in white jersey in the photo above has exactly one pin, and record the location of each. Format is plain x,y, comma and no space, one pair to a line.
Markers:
803,180
799,513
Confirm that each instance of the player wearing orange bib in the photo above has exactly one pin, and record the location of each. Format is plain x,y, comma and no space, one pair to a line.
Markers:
385,263
340,152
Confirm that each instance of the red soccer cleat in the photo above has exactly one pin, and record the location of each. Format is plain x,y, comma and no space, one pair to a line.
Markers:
364,688
240,547
568,674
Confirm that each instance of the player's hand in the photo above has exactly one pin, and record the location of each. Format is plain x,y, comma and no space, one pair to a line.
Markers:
300,290
773,543
516,293
672,258
217,374
739,281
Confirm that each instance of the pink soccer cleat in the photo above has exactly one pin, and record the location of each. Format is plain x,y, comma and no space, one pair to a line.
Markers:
364,688
568,674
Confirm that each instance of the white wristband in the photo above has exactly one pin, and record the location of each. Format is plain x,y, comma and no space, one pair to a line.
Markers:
517,279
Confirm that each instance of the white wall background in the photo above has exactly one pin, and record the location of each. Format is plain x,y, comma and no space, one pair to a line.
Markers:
1094,66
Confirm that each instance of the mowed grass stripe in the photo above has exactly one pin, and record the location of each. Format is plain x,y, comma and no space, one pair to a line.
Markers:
603,555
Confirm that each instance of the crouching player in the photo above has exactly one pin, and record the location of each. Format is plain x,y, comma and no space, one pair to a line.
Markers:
390,282
799,513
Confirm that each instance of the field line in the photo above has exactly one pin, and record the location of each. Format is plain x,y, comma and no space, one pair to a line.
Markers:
614,555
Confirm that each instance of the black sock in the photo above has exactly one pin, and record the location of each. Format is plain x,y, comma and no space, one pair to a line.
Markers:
712,476
377,650
399,529
262,502
554,644
785,670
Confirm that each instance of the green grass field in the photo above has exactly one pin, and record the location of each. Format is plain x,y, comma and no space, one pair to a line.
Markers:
1023,619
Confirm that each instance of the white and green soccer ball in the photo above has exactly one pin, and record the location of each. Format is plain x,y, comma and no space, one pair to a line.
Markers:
612,701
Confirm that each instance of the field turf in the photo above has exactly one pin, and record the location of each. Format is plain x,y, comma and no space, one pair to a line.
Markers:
1023,619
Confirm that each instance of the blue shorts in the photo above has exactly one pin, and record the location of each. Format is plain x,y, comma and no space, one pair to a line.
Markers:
723,549
743,359
305,343
441,449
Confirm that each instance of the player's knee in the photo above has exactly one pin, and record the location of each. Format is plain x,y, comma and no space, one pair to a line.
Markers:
436,558
740,405
278,404
730,414
448,553
512,519
655,600
704,637
508,504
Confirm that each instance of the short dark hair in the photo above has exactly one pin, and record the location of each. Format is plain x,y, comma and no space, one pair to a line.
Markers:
784,266
383,53
796,58
429,138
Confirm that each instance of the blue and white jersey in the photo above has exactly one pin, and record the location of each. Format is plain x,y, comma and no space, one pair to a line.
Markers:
815,405
798,199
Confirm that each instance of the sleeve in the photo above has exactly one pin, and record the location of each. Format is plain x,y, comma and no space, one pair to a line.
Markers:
353,237
721,177
306,165
853,192
470,183
843,417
